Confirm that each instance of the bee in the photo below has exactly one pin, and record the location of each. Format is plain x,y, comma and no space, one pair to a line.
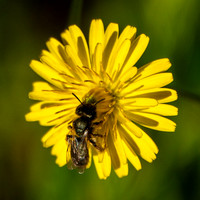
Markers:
82,130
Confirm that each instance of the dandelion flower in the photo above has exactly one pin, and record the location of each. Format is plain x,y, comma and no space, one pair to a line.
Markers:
104,72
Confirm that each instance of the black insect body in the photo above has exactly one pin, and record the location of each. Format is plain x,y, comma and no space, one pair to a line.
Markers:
79,151
83,128
82,124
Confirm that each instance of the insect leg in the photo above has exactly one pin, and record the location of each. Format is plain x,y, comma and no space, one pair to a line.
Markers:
97,135
68,137
96,146
97,123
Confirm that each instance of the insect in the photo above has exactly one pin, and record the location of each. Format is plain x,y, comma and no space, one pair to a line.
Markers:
82,130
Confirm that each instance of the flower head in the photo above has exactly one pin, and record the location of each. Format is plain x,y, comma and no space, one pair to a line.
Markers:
104,76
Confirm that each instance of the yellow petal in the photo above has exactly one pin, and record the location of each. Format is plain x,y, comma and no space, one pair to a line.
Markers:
47,73
162,109
111,36
117,154
76,64
133,128
117,58
48,104
136,50
73,56
40,86
57,131
119,148
150,143
106,163
97,58
59,150
131,155
154,67
58,118
154,81
96,35
46,112
37,106
98,166
52,140
124,122
138,102
55,47
103,166
122,171
46,92
90,157
151,121
82,47
50,60
120,79
67,39
162,95
126,75
61,159
47,95
129,32
60,67
144,146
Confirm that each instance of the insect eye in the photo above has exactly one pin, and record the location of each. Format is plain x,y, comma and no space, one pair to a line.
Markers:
79,110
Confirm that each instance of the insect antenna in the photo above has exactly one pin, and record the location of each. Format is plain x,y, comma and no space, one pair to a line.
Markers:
99,101
77,98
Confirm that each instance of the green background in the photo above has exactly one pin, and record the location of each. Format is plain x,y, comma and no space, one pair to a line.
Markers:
27,170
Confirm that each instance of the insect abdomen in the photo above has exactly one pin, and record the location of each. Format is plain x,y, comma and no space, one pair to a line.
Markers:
79,152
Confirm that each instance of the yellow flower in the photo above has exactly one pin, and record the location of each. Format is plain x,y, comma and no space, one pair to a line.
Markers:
103,75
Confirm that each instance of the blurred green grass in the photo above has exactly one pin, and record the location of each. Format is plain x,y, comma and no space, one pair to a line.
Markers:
28,171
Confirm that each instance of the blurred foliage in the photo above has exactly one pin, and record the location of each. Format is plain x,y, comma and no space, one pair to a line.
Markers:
27,170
